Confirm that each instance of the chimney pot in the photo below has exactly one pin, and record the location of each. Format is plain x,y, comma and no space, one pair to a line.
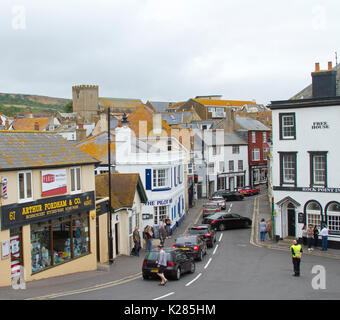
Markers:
317,67
329,65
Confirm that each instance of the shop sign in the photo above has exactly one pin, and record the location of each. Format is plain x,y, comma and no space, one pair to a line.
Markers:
53,182
320,125
5,250
15,215
159,202
102,207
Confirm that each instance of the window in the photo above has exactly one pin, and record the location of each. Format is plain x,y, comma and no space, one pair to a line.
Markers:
160,178
313,212
236,149
255,154
59,241
75,179
318,168
288,168
231,165
264,137
216,150
240,181
169,144
333,217
160,213
240,165
25,186
211,168
253,137
221,166
287,126
265,151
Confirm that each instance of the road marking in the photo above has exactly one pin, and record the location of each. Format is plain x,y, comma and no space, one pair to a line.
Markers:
231,205
166,295
206,266
220,237
193,280
229,209
215,249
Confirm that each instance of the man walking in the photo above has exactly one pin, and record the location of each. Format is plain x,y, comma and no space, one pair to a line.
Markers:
324,237
161,265
296,251
136,240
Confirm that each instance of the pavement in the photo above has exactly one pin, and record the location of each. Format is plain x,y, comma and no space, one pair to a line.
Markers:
127,268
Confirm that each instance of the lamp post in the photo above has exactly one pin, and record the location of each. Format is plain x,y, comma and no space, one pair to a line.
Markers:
109,206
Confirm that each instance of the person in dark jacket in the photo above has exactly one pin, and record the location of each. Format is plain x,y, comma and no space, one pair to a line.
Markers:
315,236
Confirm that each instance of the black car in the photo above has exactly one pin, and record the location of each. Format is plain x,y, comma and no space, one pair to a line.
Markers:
229,195
205,230
178,263
193,245
227,221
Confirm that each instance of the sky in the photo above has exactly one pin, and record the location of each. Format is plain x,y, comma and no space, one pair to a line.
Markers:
161,50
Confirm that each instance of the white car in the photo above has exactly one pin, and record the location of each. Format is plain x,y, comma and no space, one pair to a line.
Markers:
219,200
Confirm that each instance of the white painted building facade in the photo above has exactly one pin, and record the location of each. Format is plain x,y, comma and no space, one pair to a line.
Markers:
305,165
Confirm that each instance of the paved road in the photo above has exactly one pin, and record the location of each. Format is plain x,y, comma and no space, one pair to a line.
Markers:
235,269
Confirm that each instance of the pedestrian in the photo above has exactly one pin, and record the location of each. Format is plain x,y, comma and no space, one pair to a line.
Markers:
315,236
162,235
136,240
161,264
324,237
296,251
148,234
304,235
310,233
263,229
168,226
269,229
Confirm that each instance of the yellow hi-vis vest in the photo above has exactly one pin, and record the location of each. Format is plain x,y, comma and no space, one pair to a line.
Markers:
296,249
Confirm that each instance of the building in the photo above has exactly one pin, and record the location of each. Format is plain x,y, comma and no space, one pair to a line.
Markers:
305,157
47,207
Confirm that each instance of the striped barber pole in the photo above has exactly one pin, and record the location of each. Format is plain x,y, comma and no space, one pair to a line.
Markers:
4,188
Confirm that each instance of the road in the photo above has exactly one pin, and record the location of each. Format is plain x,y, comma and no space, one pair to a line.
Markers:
233,270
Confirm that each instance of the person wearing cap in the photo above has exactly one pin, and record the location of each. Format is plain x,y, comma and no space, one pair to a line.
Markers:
161,265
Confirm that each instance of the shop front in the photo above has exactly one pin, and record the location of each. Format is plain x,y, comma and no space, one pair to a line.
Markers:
49,236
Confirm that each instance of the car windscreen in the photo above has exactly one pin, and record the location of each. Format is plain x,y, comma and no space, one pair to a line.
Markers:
198,231
210,206
215,216
186,239
153,255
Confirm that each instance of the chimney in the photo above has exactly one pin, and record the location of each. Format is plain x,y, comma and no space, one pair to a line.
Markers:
317,67
157,123
330,65
36,126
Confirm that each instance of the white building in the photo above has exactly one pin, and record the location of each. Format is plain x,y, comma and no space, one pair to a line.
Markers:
305,160
161,172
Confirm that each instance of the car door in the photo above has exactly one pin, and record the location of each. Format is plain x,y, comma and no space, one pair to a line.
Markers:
185,261
228,221
237,220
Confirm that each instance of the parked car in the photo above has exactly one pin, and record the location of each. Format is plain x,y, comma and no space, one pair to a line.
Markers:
206,231
220,201
229,195
249,191
193,245
178,263
210,208
227,221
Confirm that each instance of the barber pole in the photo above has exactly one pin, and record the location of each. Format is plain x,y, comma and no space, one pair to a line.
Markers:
4,188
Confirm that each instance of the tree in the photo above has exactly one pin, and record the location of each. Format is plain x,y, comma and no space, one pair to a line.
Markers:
69,107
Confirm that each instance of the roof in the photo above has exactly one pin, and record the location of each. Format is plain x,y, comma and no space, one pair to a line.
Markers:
212,138
123,188
23,149
225,103
120,103
172,118
29,123
159,106
251,124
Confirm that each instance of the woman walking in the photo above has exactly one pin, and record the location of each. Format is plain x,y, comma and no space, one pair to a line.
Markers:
263,229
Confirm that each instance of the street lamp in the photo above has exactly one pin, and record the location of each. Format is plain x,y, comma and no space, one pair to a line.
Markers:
111,260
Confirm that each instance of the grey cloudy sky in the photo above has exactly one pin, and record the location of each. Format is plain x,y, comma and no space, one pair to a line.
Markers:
167,50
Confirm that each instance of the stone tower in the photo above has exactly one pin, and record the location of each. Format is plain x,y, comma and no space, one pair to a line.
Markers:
85,102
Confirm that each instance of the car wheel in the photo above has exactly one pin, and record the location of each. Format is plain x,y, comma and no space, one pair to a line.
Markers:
221,227
200,258
246,224
145,277
178,273
192,267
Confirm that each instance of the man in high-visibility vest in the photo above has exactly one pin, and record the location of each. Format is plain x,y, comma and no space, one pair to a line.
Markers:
296,251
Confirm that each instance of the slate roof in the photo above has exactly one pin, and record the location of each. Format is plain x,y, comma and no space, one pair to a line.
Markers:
160,106
251,124
123,188
29,150
213,139
172,118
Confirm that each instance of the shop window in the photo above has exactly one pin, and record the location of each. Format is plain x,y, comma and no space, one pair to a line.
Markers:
40,246
313,211
240,181
160,213
80,234
333,217
61,240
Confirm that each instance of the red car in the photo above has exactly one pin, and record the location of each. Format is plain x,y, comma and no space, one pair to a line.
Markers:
249,191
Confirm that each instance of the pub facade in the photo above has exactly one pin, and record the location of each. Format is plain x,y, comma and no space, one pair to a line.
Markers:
47,207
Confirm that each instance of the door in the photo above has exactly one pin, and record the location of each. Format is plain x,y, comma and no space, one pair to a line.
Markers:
231,183
117,238
291,220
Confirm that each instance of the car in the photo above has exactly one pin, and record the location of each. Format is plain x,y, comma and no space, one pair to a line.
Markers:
227,221
206,231
178,263
229,195
210,208
220,201
193,245
249,191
